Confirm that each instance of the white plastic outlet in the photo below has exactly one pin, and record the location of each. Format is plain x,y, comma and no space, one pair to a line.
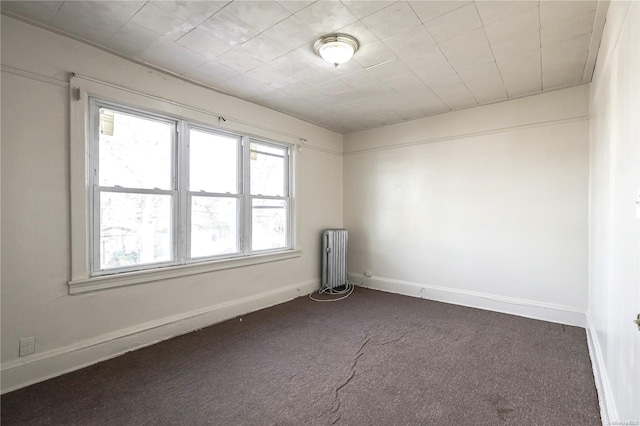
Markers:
27,346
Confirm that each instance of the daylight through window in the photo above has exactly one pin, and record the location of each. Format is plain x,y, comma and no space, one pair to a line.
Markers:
169,192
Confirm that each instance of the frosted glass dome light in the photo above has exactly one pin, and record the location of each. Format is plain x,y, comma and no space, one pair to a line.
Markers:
336,48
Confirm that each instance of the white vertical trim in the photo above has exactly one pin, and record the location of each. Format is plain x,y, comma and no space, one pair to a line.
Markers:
182,185
78,137
608,410
245,202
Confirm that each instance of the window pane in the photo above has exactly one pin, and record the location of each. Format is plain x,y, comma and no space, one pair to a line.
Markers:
269,224
267,170
214,162
214,226
134,152
135,229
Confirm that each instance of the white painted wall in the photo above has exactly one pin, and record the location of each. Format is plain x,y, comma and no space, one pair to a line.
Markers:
484,207
614,265
72,331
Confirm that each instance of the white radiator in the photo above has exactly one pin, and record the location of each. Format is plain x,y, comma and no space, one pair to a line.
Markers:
334,258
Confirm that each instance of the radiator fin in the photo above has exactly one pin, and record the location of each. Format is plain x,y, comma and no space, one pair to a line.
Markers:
334,258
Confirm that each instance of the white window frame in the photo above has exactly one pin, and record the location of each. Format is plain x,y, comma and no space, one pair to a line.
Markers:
84,196
94,112
188,192
249,197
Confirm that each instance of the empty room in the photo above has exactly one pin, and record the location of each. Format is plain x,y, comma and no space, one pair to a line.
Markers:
320,212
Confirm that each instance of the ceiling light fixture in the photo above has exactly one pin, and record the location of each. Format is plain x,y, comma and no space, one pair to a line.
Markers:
336,48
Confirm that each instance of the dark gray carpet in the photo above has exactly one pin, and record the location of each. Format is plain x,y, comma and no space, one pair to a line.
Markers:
374,358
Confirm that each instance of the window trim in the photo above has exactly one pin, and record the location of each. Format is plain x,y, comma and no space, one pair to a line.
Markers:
96,189
286,197
81,90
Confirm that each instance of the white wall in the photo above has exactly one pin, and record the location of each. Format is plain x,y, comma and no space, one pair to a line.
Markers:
614,266
485,207
72,331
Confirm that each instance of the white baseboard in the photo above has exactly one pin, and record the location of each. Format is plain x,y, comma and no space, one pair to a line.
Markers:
35,368
509,305
608,410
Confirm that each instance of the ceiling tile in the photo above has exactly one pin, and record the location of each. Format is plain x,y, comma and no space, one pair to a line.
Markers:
437,65
407,44
465,44
300,89
360,32
359,78
203,42
43,11
295,5
388,69
409,86
259,14
428,10
131,39
193,12
452,91
515,45
333,87
377,88
391,20
563,78
465,61
239,60
289,64
526,21
264,49
279,84
314,76
428,102
569,28
372,54
484,83
346,96
172,57
421,57
401,107
325,16
228,29
560,60
243,86
292,33
211,73
124,9
454,23
579,43
553,11
88,20
364,8
523,83
161,22
492,11
521,62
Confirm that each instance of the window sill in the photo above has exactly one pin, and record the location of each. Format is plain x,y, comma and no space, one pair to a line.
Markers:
131,278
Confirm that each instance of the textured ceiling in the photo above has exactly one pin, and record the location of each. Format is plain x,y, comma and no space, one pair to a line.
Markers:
417,58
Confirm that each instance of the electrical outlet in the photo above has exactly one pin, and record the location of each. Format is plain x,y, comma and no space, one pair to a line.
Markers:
27,346
368,274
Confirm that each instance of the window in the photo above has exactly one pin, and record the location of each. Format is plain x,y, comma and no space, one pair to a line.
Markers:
167,191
